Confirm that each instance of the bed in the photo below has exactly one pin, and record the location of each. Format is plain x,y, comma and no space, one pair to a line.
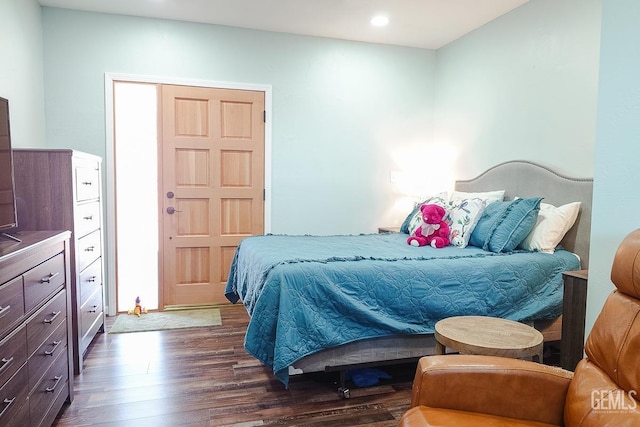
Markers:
332,303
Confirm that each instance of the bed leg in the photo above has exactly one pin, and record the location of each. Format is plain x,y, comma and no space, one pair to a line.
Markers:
343,391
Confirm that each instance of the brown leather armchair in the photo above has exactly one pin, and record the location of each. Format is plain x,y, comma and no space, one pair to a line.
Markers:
461,390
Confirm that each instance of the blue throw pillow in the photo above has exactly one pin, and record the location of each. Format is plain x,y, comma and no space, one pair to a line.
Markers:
517,223
503,227
491,215
404,228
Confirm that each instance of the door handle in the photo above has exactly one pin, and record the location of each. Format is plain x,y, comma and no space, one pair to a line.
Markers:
171,210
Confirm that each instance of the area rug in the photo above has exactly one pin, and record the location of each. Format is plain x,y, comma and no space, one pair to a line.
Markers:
158,321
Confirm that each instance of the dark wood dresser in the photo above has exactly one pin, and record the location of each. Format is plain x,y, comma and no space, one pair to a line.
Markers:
62,190
36,366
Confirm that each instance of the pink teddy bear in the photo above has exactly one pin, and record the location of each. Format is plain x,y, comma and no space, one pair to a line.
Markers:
434,231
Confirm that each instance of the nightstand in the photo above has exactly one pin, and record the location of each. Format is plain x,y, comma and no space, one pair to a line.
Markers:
382,230
574,309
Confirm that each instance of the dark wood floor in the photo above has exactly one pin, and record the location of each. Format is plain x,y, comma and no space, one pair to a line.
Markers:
203,377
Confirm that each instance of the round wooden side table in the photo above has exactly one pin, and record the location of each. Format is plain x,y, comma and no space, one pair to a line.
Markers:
489,336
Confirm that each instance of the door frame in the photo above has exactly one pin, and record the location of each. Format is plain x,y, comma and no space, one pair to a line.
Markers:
109,167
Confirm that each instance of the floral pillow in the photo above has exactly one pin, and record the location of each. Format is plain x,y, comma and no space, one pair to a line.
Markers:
488,196
462,217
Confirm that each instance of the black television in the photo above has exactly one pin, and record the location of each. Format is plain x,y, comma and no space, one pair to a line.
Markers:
8,213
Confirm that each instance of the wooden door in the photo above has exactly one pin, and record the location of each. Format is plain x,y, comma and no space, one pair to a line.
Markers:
212,189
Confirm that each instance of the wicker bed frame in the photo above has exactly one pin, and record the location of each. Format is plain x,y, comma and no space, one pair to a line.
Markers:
518,179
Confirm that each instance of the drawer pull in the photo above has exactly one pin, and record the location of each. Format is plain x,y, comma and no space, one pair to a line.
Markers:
4,311
8,403
87,183
92,279
55,345
93,309
47,279
5,364
89,248
88,218
54,314
51,389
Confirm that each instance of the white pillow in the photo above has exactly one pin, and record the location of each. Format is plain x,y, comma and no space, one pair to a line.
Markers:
552,224
462,217
487,196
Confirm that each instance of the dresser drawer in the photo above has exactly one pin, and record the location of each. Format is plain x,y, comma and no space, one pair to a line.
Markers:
54,382
87,183
13,395
90,280
89,249
13,353
91,314
44,356
42,281
20,417
87,218
11,304
45,321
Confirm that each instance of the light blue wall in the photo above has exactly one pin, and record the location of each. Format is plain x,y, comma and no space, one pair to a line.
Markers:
523,87
616,199
339,108
21,76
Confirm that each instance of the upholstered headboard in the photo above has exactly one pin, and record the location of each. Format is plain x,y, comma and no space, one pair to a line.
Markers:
521,178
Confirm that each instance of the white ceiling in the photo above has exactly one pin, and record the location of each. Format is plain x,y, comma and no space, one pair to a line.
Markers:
428,24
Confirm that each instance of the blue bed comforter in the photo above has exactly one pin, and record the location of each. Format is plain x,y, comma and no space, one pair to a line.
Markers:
308,293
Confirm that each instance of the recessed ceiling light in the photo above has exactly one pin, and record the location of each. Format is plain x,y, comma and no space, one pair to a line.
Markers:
379,21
